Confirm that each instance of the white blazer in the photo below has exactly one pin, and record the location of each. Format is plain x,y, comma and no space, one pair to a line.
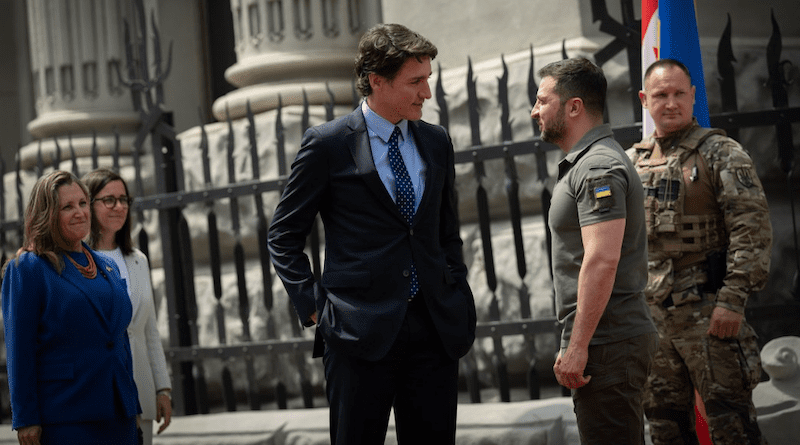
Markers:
149,366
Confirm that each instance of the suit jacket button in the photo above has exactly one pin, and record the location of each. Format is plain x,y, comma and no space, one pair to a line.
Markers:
406,273
110,345
411,232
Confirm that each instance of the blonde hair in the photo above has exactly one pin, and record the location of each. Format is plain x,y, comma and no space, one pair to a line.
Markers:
42,231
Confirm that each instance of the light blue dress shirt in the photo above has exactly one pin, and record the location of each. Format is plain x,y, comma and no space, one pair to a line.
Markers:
379,131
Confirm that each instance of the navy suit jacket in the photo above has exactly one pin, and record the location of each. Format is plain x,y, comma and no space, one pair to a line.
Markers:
362,297
67,361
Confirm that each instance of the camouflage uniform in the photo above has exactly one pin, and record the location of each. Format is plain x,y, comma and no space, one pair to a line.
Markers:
709,240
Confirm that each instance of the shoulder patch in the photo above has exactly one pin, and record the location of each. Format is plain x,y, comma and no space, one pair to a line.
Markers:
602,191
599,191
744,177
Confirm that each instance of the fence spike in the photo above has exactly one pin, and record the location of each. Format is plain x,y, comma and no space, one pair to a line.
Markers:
229,146
533,89
725,59
262,226
331,103
444,118
777,79
474,109
214,254
204,154
137,163
39,160
502,92
95,155
727,76
304,120
280,139
2,195
215,262
18,184
234,203
780,98
251,134
56,155
3,257
75,170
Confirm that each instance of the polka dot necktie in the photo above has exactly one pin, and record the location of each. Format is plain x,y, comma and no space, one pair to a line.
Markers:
404,192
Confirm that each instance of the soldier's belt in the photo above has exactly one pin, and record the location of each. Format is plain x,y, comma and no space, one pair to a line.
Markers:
690,286
689,296
689,277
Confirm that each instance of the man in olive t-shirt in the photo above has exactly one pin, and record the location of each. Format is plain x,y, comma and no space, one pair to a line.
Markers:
599,257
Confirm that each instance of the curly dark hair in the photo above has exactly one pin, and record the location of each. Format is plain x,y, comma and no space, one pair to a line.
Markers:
383,50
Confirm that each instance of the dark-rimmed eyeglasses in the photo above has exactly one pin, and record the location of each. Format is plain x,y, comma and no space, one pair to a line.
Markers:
110,201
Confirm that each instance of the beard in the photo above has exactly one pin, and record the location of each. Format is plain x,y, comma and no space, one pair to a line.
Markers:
557,130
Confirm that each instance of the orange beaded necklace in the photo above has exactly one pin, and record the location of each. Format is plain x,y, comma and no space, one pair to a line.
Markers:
90,270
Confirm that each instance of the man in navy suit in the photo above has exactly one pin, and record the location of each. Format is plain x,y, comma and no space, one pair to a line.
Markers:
393,305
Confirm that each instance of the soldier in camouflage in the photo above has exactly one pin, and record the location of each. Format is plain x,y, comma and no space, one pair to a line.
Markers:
709,240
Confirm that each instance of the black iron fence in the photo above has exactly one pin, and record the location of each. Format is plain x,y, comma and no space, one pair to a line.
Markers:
189,359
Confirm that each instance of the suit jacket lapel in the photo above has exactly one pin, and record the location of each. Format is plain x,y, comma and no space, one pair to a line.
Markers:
358,141
433,171
74,277
104,272
135,297
105,267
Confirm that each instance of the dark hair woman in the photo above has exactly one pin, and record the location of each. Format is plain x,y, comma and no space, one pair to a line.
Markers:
111,235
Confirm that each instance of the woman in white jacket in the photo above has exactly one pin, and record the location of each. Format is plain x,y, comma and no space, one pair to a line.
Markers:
111,235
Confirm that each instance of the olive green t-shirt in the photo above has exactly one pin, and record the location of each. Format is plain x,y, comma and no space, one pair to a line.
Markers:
597,182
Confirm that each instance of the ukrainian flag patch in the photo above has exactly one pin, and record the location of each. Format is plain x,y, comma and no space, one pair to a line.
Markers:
603,191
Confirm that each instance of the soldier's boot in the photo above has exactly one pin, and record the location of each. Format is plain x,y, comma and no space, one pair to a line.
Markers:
672,427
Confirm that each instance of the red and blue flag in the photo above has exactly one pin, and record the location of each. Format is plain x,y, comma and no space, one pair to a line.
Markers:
669,31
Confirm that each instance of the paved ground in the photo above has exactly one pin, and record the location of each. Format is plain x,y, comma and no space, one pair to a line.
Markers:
549,421
545,422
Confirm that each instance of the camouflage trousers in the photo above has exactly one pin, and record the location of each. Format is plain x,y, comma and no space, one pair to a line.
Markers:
724,372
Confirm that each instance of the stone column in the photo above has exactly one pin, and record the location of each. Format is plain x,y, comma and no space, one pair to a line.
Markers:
76,48
285,47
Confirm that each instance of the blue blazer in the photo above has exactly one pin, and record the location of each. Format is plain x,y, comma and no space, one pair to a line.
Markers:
362,297
67,362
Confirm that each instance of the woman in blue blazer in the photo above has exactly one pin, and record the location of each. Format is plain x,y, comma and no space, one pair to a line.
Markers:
65,311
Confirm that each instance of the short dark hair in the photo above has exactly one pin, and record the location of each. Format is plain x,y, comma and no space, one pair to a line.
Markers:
384,48
666,63
579,77
95,181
